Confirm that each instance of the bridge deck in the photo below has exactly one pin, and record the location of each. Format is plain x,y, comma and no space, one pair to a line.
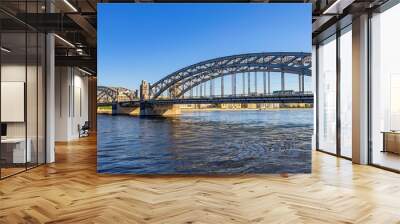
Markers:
272,98
295,98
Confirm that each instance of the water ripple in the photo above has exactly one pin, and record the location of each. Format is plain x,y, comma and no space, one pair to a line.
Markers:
207,143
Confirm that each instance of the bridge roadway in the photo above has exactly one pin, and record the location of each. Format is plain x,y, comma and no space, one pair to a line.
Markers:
305,97
289,98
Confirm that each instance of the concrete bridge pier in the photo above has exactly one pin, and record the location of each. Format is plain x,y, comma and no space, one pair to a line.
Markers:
107,110
119,109
114,108
165,110
124,108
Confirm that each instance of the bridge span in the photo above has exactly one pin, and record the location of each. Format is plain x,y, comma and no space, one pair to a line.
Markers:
171,106
243,78
306,97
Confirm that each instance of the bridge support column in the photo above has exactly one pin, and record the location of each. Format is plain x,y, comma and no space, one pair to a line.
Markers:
269,83
243,84
248,83
213,87
222,85
264,83
300,83
114,109
164,110
255,82
282,81
233,84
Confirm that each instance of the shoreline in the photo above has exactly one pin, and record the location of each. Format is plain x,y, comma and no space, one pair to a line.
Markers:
241,109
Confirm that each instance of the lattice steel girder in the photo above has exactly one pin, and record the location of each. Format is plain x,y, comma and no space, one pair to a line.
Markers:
194,81
186,84
110,94
288,62
106,94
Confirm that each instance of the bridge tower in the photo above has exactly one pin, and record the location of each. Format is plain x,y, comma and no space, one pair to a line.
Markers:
173,91
148,108
144,90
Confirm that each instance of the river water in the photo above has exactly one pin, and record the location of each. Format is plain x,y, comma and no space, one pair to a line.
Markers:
216,142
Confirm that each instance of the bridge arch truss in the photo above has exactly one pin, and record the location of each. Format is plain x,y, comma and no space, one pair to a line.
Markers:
187,78
107,94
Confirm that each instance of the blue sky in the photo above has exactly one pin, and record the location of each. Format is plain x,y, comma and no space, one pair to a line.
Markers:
150,41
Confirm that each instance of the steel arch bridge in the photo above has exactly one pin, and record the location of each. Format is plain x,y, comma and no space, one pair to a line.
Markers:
191,76
107,94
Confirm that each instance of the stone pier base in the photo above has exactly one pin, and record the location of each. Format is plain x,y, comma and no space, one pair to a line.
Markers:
148,109
126,110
